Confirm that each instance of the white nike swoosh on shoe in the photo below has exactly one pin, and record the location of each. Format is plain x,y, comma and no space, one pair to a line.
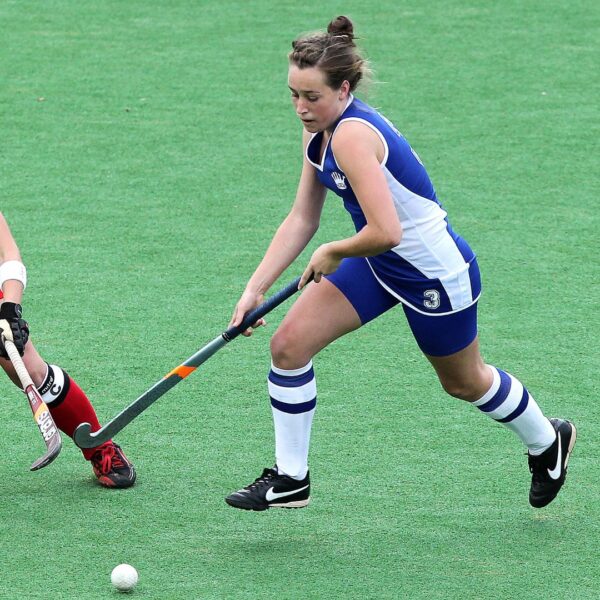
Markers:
271,495
555,473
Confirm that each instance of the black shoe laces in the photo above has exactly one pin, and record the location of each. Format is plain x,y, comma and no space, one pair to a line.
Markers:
537,467
266,477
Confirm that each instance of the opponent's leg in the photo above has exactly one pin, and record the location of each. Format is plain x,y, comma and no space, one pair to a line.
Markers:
69,407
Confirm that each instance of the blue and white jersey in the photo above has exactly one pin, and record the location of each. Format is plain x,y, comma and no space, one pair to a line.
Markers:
433,270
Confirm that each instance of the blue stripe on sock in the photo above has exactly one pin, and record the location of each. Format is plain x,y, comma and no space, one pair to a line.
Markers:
515,413
294,409
500,396
293,380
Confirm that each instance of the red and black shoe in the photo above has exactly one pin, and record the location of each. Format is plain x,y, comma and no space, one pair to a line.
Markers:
111,466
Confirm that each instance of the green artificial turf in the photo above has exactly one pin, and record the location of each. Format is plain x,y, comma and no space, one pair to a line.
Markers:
148,151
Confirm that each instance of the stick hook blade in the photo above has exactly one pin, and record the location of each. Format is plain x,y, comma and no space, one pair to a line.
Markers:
83,437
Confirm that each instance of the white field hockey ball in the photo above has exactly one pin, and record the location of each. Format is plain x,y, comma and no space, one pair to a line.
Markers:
124,577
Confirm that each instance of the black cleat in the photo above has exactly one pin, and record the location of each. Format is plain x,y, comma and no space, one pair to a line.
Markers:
549,469
272,490
111,467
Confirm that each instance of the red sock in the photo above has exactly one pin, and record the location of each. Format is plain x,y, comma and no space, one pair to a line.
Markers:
74,409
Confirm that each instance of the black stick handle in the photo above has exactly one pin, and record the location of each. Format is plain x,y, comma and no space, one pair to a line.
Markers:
260,311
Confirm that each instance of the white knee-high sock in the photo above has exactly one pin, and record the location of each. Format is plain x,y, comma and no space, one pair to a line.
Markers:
508,402
293,400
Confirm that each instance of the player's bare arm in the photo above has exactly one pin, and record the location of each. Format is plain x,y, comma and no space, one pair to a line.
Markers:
291,237
9,254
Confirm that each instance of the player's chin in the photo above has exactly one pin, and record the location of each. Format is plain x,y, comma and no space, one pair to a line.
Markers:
310,126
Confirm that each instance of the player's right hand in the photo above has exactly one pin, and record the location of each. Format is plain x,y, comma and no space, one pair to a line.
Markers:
13,327
246,303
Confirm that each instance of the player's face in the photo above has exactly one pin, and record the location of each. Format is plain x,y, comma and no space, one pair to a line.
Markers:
317,105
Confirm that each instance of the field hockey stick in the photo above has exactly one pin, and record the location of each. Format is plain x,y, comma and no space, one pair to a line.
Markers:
41,414
83,436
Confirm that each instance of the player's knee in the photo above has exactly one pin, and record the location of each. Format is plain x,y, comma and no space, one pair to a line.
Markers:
287,349
282,347
461,389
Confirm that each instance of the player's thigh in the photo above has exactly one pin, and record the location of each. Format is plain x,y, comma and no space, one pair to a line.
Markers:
319,316
338,304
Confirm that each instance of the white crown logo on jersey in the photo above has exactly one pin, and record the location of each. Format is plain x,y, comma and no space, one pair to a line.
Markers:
339,180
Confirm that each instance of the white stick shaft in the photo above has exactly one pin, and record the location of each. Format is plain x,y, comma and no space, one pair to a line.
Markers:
17,362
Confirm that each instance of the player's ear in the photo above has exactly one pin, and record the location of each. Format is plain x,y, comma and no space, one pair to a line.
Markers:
344,90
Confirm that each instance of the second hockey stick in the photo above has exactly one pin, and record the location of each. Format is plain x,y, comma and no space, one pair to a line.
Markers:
41,414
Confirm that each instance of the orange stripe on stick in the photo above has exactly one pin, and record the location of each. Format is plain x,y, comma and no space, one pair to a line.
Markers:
182,371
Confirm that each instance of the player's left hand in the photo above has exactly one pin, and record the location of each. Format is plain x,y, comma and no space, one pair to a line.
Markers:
248,301
13,327
323,262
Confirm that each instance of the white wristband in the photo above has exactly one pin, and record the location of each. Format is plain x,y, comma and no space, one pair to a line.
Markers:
13,269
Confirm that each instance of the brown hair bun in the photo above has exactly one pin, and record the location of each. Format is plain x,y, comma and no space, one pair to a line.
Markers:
341,25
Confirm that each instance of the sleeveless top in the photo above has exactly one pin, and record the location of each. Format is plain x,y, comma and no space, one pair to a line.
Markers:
432,269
